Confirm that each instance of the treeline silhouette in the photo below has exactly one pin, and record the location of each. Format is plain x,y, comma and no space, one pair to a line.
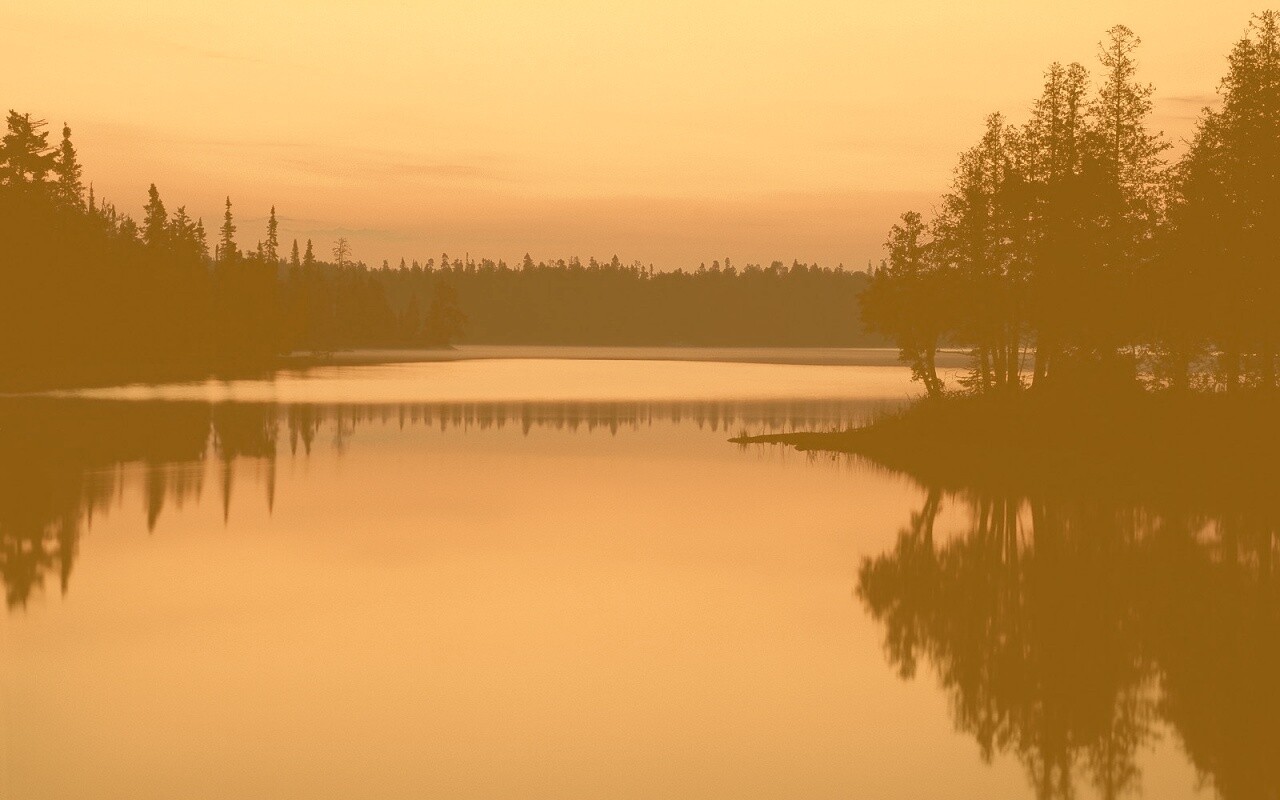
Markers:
66,461
1071,632
1070,251
569,302
90,295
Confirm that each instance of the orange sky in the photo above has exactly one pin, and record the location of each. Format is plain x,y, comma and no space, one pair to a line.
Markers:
670,132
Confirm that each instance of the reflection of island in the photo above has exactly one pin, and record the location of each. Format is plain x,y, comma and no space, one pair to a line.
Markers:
64,460
1067,631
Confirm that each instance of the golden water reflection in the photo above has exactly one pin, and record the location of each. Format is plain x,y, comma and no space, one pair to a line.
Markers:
64,460
1069,632
583,599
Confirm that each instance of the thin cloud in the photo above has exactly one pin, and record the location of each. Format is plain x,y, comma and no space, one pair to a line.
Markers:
343,165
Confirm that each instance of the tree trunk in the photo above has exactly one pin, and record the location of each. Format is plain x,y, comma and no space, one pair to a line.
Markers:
933,384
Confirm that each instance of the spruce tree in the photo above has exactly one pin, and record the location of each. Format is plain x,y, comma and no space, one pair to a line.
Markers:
271,247
67,169
227,241
155,221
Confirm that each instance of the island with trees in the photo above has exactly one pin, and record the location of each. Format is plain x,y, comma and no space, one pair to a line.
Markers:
1123,308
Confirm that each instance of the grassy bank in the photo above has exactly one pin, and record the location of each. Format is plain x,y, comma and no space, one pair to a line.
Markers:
1131,444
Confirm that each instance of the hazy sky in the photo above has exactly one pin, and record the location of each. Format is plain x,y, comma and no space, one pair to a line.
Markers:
670,132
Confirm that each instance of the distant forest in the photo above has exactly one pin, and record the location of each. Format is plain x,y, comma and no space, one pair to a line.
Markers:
88,294
611,303
1069,251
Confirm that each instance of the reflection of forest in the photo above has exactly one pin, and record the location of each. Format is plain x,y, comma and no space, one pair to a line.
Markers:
1069,631
64,460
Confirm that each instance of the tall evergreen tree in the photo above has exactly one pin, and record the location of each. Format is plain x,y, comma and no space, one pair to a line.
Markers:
67,169
1129,179
974,241
1229,204
227,251
155,221
1128,153
1055,143
271,247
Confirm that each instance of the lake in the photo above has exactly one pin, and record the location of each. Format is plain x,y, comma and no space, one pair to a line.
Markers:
556,578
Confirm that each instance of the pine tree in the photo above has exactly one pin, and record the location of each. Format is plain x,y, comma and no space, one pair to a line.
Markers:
155,221
66,167
1054,144
294,260
227,251
309,259
1124,180
1229,192
25,157
182,228
1128,153
974,241
271,247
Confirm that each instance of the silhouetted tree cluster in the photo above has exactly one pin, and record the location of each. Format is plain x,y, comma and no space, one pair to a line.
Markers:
569,302
1069,250
88,294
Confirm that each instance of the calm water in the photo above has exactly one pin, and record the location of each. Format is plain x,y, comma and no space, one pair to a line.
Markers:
556,579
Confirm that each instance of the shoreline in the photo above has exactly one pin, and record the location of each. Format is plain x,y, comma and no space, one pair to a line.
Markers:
303,361
798,355
1176,448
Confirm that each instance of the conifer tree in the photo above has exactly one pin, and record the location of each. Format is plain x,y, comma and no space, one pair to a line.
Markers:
1228,208
25,157
227,251
182,229
1054,145
906,301
155,220
271,247
67,169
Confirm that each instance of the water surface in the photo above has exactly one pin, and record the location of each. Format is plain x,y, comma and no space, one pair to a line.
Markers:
555,579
